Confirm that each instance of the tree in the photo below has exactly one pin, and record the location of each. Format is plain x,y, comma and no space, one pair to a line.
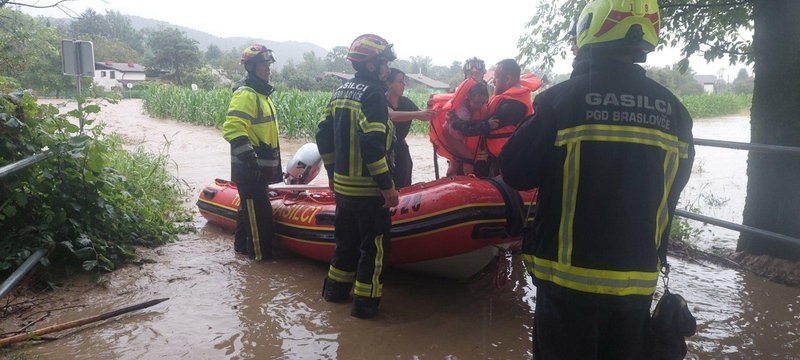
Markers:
113,36
421,64
717,29
29,52
680,83
773,202
403,65
336,60
119,28
172,52
214,55
35,4
231,64
442,73
113,50
312,66
743,84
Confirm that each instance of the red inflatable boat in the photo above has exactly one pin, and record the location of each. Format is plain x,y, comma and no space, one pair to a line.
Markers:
451,227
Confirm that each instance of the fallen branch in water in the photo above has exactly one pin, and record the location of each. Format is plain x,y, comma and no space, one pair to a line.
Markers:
69,325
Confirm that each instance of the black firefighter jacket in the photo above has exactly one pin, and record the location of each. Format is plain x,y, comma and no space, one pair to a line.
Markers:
610,151
354,137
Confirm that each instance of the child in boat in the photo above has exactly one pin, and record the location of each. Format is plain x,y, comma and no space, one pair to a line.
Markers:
460,120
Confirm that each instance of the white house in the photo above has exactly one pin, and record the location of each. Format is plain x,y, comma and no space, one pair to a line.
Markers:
111,75
708,81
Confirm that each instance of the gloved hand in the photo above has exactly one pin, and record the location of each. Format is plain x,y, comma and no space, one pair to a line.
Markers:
253,171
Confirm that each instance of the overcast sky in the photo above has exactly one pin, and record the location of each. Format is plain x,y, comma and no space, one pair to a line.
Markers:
444,30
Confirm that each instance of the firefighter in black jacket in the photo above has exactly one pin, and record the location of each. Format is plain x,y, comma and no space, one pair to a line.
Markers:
251,127
353,139
610,151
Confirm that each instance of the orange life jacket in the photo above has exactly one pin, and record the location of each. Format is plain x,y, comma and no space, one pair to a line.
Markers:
521,92
444,103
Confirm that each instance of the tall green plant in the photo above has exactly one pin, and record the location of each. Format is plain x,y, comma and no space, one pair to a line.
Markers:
711,105
298,111
91,201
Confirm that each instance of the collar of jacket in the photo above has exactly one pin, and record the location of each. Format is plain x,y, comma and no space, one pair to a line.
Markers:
605,65
260,86
370,78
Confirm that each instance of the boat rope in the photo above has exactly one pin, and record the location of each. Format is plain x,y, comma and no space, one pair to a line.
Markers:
302,196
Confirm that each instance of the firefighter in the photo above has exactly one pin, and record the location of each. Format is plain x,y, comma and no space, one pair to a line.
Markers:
610,151
251,127
354,138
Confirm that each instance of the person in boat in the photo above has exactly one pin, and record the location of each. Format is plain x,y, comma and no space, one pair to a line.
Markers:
475,68
469,105
354,138
402,111
459,121
251,127
608,188
510,104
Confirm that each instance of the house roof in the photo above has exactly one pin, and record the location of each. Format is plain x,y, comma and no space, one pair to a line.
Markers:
119,66
343,76
431,83
706,79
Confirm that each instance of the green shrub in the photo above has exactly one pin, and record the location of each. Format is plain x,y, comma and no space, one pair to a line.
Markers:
89,202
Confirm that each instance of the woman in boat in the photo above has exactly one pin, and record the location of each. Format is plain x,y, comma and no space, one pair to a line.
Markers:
402,111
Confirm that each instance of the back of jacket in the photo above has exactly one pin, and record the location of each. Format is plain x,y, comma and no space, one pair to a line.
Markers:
610,151
354,136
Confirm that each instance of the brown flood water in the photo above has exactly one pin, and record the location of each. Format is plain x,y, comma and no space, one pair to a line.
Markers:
222,306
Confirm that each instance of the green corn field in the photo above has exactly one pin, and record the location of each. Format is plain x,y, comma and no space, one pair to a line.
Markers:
712,105
298,111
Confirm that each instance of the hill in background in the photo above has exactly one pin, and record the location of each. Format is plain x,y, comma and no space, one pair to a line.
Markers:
284,50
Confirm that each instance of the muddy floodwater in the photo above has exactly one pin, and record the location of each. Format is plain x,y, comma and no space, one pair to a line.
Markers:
223,306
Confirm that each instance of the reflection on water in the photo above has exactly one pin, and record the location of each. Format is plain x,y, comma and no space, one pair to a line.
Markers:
223,306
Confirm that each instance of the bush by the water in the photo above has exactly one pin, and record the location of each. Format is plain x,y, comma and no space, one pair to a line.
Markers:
298,111
89,202
711,105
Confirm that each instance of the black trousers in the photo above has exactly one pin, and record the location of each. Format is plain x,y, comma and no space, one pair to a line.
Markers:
402,165
253,235
362,244
564,330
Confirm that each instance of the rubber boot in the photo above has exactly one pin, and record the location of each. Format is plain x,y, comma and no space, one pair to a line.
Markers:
334,291
365,307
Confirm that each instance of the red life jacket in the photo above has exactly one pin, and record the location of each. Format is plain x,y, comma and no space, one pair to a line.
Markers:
521,92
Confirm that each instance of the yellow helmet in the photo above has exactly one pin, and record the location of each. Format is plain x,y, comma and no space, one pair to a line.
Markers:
619,24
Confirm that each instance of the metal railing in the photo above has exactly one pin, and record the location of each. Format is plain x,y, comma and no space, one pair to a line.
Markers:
773,149
19,165
32,260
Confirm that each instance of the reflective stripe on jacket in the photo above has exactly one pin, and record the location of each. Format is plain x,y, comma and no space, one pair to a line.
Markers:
610,151
354,136
252,115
